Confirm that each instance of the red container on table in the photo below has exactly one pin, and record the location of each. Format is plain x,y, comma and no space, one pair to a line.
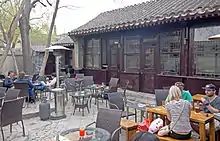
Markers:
76,78
81,132
97,85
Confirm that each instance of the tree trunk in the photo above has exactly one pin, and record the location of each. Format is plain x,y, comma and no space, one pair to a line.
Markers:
15,61
46,55
25,38
3,57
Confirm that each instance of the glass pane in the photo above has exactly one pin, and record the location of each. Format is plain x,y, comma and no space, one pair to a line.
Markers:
113,44
97,61
149,44
89,61
170,45
132,62
89,47
96,46
206,52
132,45
104,52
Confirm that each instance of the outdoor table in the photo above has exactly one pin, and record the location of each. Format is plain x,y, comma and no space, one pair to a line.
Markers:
91,134
95,88
78,81
200,118
136,106
83,95
197,97
59,104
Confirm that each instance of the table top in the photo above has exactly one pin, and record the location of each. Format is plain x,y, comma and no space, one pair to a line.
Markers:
92,134
197,97
57,90
81,94
138,106
196,117
96,86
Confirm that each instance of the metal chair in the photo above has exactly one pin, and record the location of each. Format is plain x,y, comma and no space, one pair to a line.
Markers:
113,84
116,101
80,75
161,94
80,103
12,94
69,85
2,94
109,119
88,80
8,117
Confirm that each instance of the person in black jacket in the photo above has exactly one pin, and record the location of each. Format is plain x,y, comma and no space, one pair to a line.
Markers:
9,80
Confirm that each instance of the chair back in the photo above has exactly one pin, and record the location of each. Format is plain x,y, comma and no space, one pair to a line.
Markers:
80,75
109,119
116,99
88,80
144,136
23,86
70,84
2,76
161,94
35,77
2,91
113,82
12,94
11,111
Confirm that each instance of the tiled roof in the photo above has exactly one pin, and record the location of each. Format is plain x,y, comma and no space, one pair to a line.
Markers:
63,40
148,14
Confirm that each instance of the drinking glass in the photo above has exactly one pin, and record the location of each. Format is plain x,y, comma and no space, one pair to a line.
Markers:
82,132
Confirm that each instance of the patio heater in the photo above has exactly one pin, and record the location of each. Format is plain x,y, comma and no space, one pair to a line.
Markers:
59,112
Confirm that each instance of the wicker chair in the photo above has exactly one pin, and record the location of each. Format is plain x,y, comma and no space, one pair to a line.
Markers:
12,94
80,103
70,86
88,80
80,75
161,94
109,119
8,117
116,101
23,86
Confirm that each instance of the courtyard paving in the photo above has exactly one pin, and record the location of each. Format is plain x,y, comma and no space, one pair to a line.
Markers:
37,130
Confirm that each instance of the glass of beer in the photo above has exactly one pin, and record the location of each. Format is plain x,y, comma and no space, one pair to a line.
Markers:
197,109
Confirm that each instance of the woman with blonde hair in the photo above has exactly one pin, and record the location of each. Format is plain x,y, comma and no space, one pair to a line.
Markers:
179,112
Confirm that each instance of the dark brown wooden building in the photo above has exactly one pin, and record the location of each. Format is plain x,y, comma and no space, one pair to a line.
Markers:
153,44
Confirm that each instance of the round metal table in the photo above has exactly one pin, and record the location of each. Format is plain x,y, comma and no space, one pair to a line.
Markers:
92,134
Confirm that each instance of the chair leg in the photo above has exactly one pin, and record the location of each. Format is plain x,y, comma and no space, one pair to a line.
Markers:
135,116
106,103
88,108
10,128
23,127
2,134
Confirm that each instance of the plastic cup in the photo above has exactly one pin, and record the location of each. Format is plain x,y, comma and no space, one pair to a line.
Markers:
81,132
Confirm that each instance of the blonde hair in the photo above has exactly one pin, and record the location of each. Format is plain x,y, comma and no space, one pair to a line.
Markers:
175,93
21,75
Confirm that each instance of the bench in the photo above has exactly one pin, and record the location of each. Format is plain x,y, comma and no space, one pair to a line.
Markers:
129,126
166,138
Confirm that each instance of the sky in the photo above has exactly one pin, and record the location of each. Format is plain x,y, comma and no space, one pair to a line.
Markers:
69,19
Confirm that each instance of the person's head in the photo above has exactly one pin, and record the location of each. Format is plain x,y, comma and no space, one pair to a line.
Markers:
21,75
175,93
180,85
53,74
11,74
210,90
144,136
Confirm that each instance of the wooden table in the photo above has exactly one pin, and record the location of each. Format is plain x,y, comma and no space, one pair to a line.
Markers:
200,118
130,127
197,97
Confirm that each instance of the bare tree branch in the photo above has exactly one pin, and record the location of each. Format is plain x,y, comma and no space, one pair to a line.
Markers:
15,21
3,33
36,18
71,7
49,3
42,4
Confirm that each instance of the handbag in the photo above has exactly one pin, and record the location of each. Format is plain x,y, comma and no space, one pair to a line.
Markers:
166,129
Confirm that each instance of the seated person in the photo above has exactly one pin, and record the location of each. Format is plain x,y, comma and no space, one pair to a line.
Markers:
9,80
178,112
211,104
30,86
50,83
185,94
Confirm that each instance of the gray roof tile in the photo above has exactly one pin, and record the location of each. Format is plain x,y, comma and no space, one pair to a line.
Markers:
148,12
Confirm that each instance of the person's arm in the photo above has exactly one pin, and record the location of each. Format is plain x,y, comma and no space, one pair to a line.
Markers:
190,97
211,108
167,108
30,84
52,82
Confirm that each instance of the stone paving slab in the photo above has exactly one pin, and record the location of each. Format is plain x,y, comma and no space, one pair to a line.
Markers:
37,130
